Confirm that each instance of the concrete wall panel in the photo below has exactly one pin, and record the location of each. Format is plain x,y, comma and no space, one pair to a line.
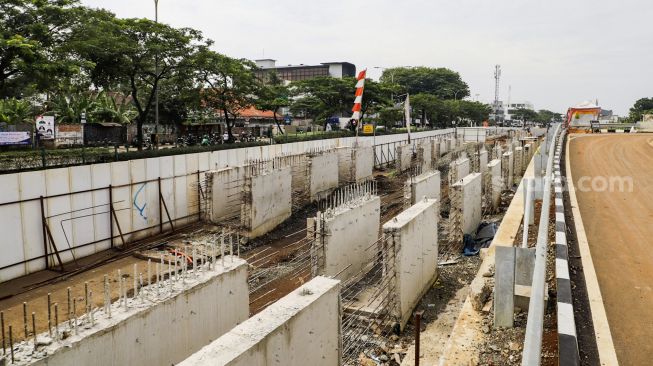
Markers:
163,333
302,328
122,198
349,234
58,210
414,236
425,185
323,176
271,201
471,195
32,185
12,235
82,206
101,178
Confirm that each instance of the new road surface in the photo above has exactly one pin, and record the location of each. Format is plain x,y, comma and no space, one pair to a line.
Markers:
613,180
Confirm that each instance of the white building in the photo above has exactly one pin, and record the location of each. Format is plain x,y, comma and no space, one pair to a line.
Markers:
510,108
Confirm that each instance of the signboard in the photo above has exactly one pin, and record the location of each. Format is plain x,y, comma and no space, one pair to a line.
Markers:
15,138
45,127
69,134
368,128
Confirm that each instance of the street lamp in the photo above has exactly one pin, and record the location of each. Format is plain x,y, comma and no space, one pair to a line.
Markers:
156,91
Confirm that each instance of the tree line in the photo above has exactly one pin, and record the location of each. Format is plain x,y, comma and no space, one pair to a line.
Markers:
60,57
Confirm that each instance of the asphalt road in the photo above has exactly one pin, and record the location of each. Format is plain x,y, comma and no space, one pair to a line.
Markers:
618,223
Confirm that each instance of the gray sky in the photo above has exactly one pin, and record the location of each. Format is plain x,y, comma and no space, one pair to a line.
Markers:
554,53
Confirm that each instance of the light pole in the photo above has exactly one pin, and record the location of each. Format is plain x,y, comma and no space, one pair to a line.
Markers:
156,91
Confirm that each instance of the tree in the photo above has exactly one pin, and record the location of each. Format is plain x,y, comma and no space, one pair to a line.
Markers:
524,114
323,96
229,84
389,116
14,111
474,111
376,97
441,82
32,33
642,106
545,116
273,95
428,106
137,55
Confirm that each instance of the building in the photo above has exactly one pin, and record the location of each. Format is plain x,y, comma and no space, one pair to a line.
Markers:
510,108
302,72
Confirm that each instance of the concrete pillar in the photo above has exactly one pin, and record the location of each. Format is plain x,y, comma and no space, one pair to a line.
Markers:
507,168
435,149
458,169
465,212
323,174
496,183
403,157
518,160
413,235
504,286
483,159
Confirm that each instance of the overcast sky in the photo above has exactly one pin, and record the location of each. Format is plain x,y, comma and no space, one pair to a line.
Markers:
554,53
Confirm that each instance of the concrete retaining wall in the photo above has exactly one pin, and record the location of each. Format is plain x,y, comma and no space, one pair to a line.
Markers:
355,165
226,192
165,332
302,328
424,185
268,201
404,156
323,174
507,168
470,188
414,235
349,232
496,183
425,156
458,169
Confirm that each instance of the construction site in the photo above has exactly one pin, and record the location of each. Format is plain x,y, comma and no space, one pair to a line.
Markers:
443,247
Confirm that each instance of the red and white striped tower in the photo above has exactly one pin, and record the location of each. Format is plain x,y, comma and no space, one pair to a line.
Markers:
360,85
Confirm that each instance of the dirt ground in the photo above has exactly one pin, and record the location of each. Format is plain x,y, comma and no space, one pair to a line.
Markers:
619,230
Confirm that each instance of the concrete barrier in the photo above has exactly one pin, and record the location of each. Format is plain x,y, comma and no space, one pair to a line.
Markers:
355,164
414,236
342,245
458,169
404,157
424,185
496,183
424,155
469,189
302,328
268,201
226,189
507,168
162,332
323,174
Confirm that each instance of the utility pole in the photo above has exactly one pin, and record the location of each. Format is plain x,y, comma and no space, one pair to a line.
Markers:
156,91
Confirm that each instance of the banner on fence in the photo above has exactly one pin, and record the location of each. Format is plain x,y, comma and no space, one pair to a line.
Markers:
45,127
15,138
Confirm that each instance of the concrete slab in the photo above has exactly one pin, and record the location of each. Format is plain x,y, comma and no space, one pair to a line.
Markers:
496,183
404,157
302,328
323,174
209,304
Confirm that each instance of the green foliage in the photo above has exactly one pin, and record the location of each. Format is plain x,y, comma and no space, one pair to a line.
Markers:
441,82
546,116
323,97
14,111
98,107
642,106
525,114
273,95
32,35
229,84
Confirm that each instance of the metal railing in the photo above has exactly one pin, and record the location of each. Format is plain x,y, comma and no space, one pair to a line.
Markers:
532,354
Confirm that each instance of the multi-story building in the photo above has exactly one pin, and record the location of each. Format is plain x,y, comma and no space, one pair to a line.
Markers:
511,107
302,72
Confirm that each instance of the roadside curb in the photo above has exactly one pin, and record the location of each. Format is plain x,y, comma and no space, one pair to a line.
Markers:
567,337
